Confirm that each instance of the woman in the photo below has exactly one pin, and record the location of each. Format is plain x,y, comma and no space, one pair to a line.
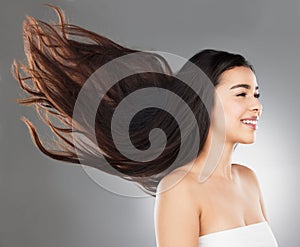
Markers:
59,65
227,209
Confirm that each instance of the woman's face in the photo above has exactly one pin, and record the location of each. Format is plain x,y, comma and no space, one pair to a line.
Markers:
238,102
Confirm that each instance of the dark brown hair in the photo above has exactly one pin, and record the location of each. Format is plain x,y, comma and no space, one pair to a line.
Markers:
61,57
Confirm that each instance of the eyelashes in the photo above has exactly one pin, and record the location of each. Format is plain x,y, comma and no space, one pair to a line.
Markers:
257,95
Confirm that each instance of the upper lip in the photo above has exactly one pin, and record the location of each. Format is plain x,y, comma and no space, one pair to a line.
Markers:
251,118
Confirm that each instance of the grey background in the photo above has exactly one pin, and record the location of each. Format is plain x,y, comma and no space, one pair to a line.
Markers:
48,203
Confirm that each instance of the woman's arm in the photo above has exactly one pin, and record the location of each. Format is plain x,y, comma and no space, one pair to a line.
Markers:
261,200
263,207
176,215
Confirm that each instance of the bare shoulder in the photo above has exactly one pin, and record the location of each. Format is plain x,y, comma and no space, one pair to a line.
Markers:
247,174
180,185
176,213
244,171
179,182
253,179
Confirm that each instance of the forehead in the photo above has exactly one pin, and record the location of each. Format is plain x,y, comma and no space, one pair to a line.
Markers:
237,75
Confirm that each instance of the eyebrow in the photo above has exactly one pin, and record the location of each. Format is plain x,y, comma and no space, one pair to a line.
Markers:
243,85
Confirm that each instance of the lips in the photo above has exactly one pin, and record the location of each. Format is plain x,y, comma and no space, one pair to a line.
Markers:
250,122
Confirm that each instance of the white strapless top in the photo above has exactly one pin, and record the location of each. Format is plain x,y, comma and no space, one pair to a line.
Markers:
254,235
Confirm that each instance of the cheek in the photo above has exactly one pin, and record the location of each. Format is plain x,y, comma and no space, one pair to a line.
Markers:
218,116
227,113
233,112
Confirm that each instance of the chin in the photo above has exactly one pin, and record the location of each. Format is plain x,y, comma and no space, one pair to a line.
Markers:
244,139
247,141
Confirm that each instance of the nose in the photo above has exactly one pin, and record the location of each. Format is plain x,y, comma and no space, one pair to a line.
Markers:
256,106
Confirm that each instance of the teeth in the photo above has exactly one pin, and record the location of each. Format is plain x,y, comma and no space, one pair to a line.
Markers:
250,121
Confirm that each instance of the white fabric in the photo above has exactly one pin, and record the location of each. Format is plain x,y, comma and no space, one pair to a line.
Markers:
254,235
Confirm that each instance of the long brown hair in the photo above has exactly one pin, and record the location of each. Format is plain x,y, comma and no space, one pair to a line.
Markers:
58,65
61,57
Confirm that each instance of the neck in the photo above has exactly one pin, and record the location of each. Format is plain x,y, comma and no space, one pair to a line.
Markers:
214,161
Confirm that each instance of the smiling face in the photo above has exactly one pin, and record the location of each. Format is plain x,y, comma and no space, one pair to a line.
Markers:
237,92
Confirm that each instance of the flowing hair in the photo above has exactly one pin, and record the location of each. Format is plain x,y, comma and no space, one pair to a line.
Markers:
61,57
58,65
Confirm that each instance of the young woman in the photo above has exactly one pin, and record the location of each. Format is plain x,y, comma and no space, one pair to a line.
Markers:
227,209
223,209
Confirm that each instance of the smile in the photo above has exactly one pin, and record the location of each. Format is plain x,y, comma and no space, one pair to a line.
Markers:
250,123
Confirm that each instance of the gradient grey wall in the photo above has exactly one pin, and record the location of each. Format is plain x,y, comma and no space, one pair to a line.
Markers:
48,203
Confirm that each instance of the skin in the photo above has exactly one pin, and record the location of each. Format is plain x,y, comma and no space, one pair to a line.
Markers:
231,196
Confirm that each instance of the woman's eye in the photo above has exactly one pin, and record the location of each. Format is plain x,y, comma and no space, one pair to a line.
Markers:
244,94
